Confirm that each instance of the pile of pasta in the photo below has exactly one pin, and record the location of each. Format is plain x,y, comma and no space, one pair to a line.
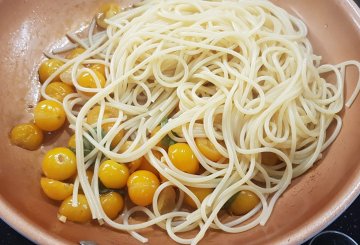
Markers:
222,98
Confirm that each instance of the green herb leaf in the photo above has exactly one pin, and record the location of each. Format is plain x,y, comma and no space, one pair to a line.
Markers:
166,141
87,144
72,149
88,147
164,121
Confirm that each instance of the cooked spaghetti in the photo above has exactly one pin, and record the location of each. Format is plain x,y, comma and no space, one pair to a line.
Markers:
239,75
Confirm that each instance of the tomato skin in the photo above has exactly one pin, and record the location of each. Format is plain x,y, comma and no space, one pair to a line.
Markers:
59,164
99,68
183,158
49,115
79,213
47,68
86,80
142,185
208,149
75,53
27,136
243,202
58,90
113,175
200,193
112,203
106,11
55,189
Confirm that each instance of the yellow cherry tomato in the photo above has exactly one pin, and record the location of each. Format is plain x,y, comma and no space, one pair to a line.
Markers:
269,158
106,127
112,204
183,158
243,202
98,67
80,213
27,136
113,175
72,143
200,193
146,165
49,115
93,114
86,80
59,163
142,185
48,67
134,165
55,189
107,11
58,90
75,52
208,149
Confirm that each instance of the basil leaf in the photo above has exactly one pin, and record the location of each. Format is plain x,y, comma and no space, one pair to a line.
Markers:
164,121
88,147
167,141
87,144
